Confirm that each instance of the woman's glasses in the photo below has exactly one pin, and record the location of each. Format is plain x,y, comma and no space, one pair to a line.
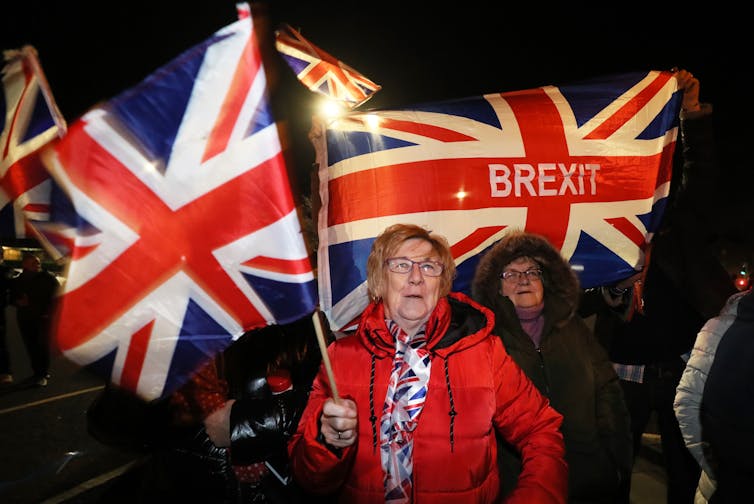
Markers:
404,265
513,276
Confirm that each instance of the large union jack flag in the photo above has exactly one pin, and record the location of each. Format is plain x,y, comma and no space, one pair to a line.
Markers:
31,119
320,72
184,232
588,165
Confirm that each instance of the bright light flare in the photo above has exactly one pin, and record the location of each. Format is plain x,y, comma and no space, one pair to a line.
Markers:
372,121
331,109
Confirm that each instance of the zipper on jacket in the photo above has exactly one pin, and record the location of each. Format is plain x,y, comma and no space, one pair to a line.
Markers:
544,372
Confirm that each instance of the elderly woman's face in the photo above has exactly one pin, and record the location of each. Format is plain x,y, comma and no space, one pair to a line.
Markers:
526,290
411,297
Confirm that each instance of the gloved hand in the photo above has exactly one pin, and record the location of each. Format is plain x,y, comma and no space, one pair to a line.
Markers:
259,428
201,447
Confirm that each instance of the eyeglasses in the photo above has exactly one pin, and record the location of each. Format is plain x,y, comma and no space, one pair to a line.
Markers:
513,276
404,265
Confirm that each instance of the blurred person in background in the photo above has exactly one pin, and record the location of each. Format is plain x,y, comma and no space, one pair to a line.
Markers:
33,293
726,412
221,437
649,322
6,370
736,316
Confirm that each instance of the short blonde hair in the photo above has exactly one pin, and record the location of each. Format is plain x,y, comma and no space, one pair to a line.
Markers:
390,240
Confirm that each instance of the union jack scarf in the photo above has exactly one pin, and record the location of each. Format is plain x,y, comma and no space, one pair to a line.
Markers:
404,401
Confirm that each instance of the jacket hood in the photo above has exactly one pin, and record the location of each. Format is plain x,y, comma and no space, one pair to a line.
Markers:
561,285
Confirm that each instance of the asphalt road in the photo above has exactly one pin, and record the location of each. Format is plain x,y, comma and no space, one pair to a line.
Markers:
46,450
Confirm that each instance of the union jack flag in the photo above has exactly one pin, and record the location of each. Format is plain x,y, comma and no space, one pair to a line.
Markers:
320,72
184,231
31,120
587,165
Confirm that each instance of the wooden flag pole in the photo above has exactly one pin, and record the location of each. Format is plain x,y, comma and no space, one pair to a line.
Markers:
325,358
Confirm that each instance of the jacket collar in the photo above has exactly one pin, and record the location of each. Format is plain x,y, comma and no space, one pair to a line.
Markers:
456,323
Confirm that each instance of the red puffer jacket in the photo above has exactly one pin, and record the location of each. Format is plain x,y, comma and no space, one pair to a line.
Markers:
475,389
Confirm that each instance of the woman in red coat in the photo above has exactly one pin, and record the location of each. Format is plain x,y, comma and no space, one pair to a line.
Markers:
424,388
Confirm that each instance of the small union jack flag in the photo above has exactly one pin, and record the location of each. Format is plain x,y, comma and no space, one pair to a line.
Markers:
182,227
31,120
322,73
587,165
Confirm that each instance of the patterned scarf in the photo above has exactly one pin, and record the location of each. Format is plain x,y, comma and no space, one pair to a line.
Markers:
404,401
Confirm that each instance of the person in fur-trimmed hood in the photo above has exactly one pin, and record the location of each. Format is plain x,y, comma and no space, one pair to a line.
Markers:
534,294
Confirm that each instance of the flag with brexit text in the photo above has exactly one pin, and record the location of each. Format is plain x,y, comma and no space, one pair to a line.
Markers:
31,120
587,165
322,73
182,227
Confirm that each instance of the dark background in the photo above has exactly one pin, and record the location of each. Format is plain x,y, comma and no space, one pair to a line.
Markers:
418,52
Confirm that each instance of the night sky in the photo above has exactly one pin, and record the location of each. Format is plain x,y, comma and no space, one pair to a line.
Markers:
417,51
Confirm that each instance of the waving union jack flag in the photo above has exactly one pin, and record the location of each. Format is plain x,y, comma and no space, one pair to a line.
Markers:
320,72
185,233
31,119
588,165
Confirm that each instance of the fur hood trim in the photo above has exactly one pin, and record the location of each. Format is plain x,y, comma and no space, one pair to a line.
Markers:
561,285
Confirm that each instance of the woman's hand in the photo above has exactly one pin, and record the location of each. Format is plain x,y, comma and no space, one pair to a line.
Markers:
217,425
339,422
690,86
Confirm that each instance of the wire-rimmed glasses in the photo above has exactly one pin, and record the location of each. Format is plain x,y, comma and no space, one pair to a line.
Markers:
404,265
513,276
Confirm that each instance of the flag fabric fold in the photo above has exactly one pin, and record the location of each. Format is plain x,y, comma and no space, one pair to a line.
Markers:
176,207
31,120
588,165
322,73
